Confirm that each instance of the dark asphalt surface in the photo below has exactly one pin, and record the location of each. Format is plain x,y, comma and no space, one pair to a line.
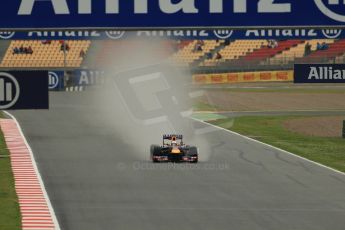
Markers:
97,178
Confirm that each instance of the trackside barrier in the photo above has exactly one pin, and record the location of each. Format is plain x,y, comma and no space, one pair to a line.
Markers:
75,80
260,76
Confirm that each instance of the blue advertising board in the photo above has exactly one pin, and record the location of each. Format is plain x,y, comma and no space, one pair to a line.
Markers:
319,73
138,14
85,77
56,80
176,34
24,90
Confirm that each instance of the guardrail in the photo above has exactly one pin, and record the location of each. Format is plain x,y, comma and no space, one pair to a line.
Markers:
240,77
284,63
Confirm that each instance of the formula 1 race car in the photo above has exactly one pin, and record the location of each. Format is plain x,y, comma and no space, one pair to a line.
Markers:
174,150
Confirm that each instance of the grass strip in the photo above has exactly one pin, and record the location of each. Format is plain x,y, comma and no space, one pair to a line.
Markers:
329,151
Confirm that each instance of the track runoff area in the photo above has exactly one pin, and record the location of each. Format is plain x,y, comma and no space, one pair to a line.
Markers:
85,163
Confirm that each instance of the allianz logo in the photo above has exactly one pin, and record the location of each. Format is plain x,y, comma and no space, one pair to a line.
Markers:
326,73
327,33
9,90
75,33
220,33
328,8
173,33
7,34
53,80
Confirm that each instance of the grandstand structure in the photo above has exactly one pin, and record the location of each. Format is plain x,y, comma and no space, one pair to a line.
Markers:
334,53
201,55
296,52
235,50
189,55
252,54
112,53
51,54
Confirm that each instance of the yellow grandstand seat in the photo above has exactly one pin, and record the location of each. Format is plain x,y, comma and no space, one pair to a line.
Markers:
296,52
235,50
44,55
187,55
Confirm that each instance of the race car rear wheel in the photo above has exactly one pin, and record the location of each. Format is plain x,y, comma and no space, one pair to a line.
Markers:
193,152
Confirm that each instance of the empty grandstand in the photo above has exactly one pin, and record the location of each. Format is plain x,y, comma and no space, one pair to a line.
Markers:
42,54
235,50
331,53
195,51
113,53
202,56
257,54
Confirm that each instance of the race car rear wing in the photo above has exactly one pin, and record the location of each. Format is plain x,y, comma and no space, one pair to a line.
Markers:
172,136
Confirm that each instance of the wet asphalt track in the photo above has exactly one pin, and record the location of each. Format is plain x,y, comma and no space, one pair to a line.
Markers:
96,182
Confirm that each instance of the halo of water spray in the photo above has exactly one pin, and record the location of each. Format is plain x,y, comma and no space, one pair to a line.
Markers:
145,97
